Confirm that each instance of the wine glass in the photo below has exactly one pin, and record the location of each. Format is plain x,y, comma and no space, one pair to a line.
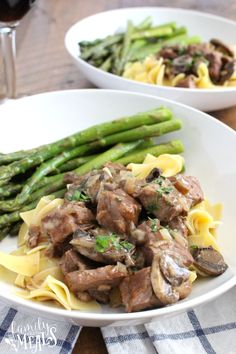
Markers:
11,12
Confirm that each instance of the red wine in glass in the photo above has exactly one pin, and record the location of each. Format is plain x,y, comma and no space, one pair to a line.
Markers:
11,12
14,10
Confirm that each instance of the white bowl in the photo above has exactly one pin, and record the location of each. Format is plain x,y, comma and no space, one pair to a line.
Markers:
210,155
205,25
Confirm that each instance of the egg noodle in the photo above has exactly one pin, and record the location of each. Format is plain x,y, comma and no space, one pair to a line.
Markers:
152,71
40,277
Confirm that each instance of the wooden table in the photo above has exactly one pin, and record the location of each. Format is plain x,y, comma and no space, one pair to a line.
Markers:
44,65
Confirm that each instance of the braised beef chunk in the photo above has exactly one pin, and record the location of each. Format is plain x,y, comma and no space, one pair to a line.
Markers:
117,211
147,231
190,187
137,293
58,249
63,221
91,184
123,240
102,296
216,55
178,224
187,82
162,199
102,246
72,261
153,247
170,52
34,236
95,278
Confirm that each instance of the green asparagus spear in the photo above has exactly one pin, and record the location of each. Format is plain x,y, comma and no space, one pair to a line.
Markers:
14,229
172,147
72,164
139,54
110,155
45,168
125,47
145,24
157,32
25,195
4,232
14,156
10,218
9,190
98,48
107,64
83,137
141,132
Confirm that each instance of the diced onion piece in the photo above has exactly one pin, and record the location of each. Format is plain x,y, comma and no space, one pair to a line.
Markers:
165,234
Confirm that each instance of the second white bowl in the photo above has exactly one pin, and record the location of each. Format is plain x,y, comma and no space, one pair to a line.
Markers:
204,25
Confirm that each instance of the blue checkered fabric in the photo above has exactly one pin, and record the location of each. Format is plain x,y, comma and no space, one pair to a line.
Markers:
209,328
22,333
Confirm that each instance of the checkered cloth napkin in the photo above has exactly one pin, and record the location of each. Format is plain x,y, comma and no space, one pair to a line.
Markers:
210,328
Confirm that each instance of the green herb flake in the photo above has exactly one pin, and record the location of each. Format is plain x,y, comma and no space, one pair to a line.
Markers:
105,242
79,196
165,190
154,224
128,246
151,208
159,180
193,247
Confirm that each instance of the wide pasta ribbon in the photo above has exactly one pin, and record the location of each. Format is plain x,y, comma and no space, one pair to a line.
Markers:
53,289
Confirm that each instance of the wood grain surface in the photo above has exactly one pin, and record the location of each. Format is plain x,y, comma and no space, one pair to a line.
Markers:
44,65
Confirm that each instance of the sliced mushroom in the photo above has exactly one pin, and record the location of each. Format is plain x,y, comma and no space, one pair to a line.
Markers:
184,289
223,47
182,64
209,261
173,269
215,65
228,70
162,289
155,173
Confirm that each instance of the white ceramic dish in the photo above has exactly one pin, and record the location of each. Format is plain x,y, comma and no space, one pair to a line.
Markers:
210,155
205,25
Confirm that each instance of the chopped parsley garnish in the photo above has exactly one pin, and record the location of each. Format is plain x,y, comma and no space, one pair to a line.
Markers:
105,242
165,190
79,196
154,224
128,246
193,247
151,208
159,180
